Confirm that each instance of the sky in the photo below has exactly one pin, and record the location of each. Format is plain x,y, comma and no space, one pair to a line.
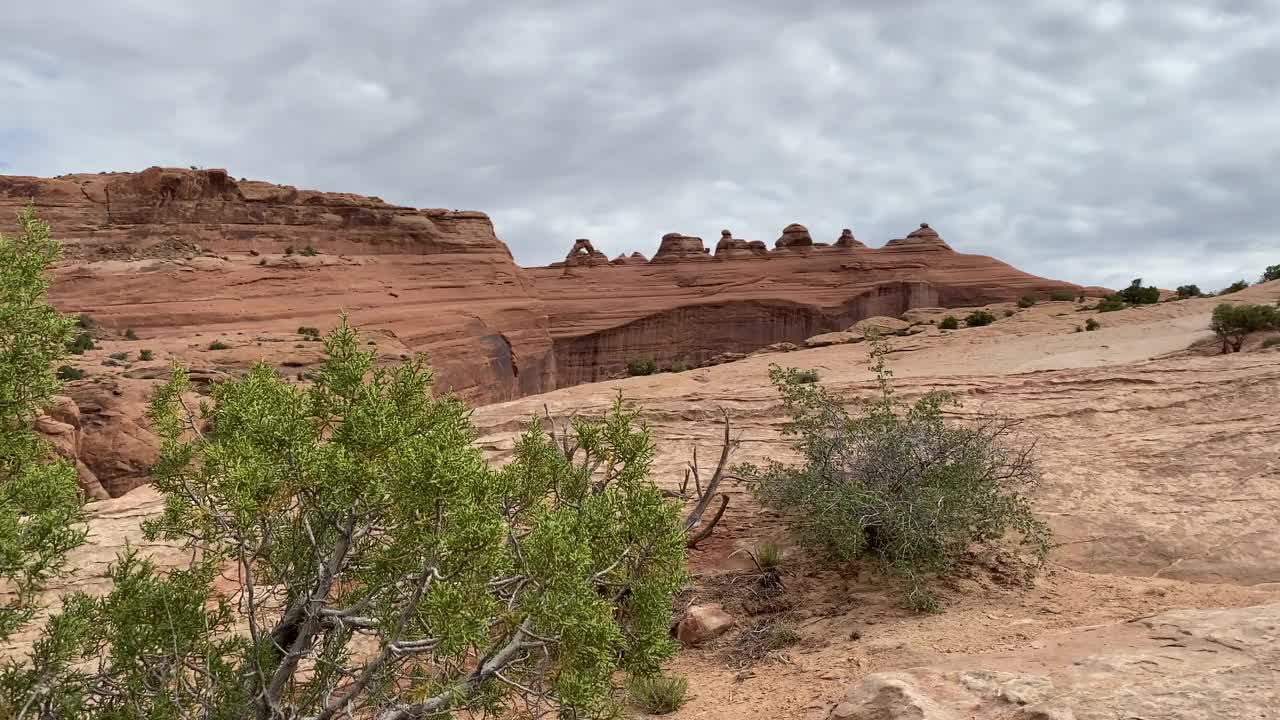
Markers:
1086,141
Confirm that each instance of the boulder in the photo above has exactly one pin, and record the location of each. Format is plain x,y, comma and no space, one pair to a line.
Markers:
834,338
880,323
703,622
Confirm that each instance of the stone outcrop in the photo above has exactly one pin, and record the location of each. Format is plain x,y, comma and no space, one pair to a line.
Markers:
584,253
680,248
1180,664
847,240
794,236
174,252
923,237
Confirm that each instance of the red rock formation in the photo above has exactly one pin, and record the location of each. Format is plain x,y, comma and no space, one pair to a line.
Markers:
847,240
206,252
680,248
584,253
924,237
794,235
174,253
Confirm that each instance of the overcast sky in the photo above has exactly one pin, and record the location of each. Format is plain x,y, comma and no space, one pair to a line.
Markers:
1086,141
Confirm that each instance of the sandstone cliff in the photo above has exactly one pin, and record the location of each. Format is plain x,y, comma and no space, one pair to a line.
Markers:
172,253
177,254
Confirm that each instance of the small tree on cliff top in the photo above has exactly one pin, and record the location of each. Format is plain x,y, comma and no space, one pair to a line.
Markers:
40,503
381,567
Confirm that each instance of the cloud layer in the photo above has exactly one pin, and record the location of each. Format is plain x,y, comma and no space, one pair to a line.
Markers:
1087,141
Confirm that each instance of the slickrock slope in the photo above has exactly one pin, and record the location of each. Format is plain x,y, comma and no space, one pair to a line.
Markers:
1162,599
175,254
687,305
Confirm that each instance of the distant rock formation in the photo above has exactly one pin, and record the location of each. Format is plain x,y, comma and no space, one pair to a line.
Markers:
677,248
584,253
924,237
847,240
794,236
634,258
730,247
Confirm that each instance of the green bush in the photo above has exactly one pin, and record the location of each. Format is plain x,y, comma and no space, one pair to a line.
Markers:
218,345
1136,294
979,318
678,366
1234,287
309,251
288,250
768,556
309,333
1111,303
1092,324
641,366
1062,295
377,542
1233,323
146,355
1008,313
898,483
41,504
1188,291
658,695
1271,342
806,376
1271,273
1026,301
67,373
85,321
130,334
949,323
80,343
119,356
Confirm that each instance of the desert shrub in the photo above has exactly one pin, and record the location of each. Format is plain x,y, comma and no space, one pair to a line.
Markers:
949,323
898,483
1092,324
309,333
85,321
146,355
67,373
1234,287
218,345
806,376
1188,291
41,506
762,638
288,250
130,334
1271,342
388,570
1271,273
768,556
1079,328
80,343
309,251
1026,301
1008,313
1136,294
112,362
262,261
1111,303
119,356
658,695
678,366
978,318
1233,323
641,366
1062,295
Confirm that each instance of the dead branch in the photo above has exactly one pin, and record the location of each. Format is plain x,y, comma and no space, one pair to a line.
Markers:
693,522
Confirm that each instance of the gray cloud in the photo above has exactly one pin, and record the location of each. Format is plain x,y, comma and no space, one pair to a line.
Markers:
1089,141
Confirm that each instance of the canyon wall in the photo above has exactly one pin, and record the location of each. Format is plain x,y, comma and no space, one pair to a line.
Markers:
178,254
187,256
688,305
